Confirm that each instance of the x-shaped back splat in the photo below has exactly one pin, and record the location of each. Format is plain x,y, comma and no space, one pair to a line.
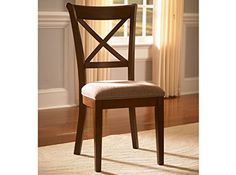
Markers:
103,43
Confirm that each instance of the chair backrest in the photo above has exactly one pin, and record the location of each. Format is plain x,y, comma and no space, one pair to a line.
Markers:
80,13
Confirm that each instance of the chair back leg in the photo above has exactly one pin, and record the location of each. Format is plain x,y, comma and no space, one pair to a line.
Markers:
133,127
80,129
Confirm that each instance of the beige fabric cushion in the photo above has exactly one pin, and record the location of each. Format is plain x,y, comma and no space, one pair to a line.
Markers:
120,89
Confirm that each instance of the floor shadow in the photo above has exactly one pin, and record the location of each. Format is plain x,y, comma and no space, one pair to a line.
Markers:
162,167
149,150
108,173
171,154
182,156
181,168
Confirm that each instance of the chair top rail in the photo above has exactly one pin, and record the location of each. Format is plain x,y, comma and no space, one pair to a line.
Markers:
103,12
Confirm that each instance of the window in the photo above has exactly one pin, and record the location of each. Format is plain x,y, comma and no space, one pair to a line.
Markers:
143,23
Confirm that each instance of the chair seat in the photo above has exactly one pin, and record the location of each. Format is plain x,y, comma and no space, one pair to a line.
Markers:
121,89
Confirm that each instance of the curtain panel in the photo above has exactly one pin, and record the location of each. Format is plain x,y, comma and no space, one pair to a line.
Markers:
166,53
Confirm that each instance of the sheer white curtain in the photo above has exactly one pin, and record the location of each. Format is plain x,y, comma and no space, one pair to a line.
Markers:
168,15
102,28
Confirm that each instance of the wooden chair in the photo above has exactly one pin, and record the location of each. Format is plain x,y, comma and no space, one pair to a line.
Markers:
112,94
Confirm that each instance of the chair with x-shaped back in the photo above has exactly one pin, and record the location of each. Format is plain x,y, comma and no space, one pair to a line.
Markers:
112,94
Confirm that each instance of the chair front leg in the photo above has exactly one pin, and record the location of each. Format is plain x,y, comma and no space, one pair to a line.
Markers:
80,128
98,136
159,124
133,127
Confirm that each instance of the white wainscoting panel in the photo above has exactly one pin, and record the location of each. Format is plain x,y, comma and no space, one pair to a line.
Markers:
64,95
52,98
189,61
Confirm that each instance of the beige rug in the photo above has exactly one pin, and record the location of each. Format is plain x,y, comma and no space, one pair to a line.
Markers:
181,155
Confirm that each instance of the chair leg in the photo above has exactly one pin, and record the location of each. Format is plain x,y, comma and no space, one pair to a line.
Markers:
159,124
98,137
133,127
80,128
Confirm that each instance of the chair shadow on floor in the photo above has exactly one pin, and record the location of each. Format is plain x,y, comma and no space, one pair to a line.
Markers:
107,173
162,168
176,155
171,154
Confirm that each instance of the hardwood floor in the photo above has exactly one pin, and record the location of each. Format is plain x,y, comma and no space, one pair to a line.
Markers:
59,125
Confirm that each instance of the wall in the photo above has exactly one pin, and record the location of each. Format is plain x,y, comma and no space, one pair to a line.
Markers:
53,5
191,6
57,71
55,55
190,53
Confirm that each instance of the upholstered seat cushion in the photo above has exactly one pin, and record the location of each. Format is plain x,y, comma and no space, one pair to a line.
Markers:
121,89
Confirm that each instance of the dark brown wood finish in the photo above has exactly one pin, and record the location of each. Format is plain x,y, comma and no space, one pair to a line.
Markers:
106,64
104,13
80,14
133,127
80,129
131,51
159,125
103,42
98,136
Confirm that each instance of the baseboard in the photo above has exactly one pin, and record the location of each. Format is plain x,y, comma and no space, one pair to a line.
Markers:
58,107
189,93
